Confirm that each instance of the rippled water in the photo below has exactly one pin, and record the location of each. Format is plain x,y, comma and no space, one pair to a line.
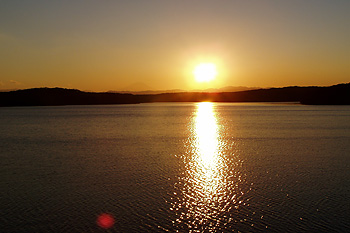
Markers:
195,167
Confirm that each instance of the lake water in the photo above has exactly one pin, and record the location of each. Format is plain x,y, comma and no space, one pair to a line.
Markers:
189,167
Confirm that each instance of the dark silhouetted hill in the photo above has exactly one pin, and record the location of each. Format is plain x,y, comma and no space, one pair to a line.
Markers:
60,96
334,95
337,94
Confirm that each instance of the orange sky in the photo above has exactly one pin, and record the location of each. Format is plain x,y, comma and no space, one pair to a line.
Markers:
110,45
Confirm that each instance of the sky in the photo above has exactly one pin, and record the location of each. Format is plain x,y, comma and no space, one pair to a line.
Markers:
103,45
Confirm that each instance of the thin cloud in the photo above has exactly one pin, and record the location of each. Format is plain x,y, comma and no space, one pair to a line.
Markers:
15,82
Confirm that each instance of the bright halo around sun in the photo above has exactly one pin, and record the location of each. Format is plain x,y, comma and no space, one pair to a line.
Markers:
205,72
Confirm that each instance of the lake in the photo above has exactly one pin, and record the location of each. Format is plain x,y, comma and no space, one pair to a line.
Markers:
167,167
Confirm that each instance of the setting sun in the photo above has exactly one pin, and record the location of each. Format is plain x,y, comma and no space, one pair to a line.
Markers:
205,72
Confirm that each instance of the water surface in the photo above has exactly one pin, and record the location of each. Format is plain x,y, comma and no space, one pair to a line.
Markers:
188,167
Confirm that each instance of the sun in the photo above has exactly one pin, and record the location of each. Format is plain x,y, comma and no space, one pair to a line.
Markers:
205,72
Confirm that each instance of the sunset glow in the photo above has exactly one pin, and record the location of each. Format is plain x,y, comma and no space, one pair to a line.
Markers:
165,45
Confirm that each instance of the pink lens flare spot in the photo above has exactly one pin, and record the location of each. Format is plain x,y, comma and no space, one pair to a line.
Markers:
105,221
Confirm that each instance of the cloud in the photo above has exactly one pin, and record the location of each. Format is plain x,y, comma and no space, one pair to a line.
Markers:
15,82
1,84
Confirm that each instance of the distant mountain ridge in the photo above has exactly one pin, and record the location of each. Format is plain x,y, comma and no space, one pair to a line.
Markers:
146,91
337,94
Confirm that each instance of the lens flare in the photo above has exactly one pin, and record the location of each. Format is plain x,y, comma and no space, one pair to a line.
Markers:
105,221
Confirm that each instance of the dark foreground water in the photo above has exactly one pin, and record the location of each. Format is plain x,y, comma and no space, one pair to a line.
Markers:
202,167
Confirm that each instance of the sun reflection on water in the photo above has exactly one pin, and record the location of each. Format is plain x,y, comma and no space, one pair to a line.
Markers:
206,134
210,189
206,147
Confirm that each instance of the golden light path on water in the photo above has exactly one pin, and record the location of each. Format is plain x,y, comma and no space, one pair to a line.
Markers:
211,188
207,161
